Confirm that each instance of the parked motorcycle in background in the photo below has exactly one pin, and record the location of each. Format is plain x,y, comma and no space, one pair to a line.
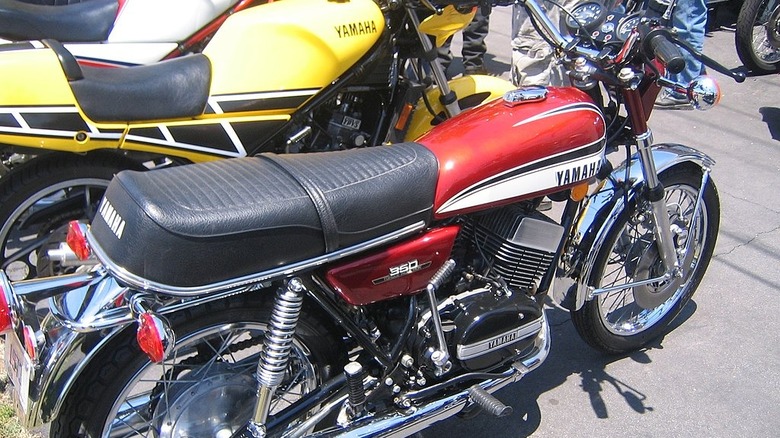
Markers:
758,35
291,76
118,33
375,291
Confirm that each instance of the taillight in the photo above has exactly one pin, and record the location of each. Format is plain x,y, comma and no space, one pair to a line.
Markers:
154,336
5,310
77,240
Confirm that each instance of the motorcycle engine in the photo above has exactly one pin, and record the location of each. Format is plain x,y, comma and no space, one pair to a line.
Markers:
493,316
343,123
344,126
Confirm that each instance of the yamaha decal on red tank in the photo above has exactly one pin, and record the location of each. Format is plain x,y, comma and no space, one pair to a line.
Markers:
556,138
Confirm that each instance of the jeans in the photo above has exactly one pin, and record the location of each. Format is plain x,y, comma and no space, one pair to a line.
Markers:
690,20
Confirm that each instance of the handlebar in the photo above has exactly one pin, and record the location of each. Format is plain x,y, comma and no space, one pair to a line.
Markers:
657,41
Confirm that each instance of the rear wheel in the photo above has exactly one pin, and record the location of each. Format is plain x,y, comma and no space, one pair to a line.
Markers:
758,35
39,198
629,318
207,386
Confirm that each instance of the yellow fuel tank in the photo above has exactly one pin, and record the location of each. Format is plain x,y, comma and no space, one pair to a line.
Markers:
295,44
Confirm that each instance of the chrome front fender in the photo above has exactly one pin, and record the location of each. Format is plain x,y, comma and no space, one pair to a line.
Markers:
603,208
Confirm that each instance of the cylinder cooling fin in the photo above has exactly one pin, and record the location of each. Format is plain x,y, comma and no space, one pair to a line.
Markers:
520,246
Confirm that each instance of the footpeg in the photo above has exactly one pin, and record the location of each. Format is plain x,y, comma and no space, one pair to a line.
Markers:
488,403
357,396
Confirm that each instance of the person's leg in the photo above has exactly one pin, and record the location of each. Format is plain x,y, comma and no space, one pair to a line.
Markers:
690,20
445,54
531,55
533,62
474,46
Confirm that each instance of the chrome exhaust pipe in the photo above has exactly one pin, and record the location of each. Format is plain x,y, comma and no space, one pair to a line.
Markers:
416,418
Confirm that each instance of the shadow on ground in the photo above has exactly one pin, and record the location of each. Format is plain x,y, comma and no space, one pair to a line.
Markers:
569,357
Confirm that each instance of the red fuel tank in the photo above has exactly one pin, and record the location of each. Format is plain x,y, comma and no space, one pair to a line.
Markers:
533,142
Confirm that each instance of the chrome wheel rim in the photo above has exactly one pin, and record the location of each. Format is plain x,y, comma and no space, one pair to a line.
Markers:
21,242
628,261
209,377
766,39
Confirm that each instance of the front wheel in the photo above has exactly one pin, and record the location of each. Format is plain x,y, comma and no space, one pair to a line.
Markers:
206,387
628,319
758,35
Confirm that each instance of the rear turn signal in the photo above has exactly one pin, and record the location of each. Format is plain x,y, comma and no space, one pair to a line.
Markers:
154,336
77,240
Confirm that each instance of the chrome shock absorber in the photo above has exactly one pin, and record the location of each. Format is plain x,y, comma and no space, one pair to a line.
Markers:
276,350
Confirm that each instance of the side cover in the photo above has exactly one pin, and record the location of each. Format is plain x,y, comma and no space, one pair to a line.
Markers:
156,21
38,108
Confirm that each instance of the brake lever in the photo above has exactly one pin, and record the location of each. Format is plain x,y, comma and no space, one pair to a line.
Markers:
739,77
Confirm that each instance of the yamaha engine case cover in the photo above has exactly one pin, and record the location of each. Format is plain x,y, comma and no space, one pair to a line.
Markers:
490,329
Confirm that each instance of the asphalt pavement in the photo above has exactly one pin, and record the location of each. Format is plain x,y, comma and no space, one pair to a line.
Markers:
716,374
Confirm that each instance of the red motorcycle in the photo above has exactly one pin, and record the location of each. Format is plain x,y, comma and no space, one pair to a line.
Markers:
373,292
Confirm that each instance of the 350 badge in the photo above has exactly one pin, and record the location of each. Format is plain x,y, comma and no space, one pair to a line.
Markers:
401,270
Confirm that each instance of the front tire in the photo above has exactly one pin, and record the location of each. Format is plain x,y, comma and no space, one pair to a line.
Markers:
757,35
206,387
628,319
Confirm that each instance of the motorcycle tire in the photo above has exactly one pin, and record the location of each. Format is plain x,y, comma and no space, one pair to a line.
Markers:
757,35
38,199
207,386
628,319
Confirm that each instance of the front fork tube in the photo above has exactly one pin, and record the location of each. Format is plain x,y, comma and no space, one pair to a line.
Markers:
655,191
276,351
447,96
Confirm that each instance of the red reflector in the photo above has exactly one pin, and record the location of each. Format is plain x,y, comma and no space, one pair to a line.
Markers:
150,337
30,343
77,241
5,312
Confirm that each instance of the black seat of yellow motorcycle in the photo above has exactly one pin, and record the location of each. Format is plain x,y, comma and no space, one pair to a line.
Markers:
206,223
88,21
172,89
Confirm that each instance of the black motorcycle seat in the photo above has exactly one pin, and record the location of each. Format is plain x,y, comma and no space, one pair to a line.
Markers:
203,224
73,21
172,89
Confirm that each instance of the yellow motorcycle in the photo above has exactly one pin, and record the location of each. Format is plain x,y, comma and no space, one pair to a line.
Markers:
290,76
